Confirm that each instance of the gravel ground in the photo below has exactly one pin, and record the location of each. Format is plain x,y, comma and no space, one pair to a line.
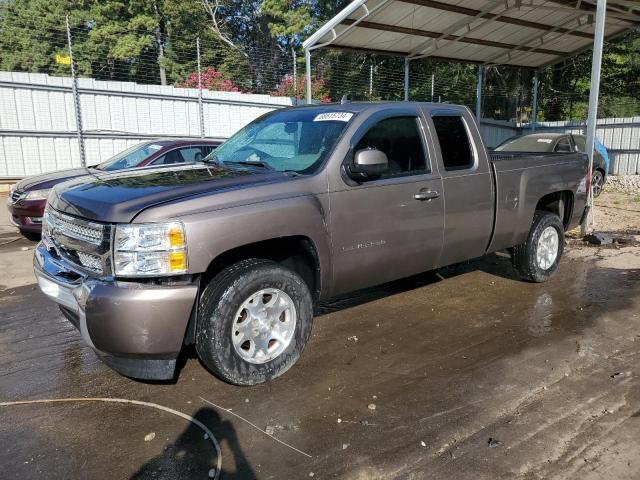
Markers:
629,184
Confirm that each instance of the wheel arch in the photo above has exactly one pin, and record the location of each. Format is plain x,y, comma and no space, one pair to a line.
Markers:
297,252
560,202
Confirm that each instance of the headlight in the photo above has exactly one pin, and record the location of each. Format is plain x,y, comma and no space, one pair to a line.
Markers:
36,194
150,249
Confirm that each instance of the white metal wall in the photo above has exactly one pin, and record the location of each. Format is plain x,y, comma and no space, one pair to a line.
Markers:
38,126
495,132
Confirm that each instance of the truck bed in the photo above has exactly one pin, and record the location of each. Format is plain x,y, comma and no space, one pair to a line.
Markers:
521,179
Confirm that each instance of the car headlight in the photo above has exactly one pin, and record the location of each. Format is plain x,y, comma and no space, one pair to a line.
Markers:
36,194
150,249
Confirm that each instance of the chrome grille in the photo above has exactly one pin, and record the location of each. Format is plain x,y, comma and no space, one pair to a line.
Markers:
91,262
82,243
15,196
56,222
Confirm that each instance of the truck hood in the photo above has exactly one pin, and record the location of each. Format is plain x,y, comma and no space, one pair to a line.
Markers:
48,180
118,197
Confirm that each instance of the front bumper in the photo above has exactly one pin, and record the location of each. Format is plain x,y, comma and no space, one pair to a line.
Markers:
27,215
137,329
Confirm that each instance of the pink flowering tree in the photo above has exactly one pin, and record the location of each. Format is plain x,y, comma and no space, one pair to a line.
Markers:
211,79
288,88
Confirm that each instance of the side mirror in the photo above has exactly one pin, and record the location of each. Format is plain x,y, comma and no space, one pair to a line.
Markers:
368,164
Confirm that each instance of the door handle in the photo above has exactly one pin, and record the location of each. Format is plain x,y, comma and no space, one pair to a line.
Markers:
426,195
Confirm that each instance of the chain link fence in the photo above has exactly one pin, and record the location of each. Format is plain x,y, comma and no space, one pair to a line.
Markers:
198,62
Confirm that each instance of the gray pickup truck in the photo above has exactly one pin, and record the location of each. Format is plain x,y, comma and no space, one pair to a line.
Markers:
232,253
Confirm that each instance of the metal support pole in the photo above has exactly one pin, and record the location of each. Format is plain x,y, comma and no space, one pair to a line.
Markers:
406,79
307,59
596,65
534,107
479,93
76,99
433,82
200,105
295,74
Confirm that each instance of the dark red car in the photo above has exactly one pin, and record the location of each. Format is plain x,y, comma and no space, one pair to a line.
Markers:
27,198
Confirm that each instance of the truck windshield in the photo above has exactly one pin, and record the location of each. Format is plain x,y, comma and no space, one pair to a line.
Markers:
129,158
296,140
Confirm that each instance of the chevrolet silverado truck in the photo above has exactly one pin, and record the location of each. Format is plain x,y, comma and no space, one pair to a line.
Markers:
303,204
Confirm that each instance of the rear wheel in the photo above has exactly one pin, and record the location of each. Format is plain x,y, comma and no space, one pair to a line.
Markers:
255,320
537,259
597,183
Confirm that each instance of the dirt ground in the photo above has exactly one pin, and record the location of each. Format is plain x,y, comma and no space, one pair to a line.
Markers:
463,373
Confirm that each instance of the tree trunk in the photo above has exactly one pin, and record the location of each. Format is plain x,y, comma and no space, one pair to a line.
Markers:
160,33
163,71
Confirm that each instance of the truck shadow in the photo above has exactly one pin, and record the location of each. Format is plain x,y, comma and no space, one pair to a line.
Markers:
192,456
498,264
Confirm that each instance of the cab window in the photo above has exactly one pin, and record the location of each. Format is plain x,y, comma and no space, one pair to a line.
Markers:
581,143
400,139
455,145
563,145
182,155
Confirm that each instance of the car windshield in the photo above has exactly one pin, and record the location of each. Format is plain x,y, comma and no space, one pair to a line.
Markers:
528,143
296,140
129,158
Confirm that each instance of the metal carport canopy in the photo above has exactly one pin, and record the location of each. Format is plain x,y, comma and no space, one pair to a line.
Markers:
521,33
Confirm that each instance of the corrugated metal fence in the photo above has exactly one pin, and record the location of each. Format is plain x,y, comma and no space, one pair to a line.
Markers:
621,136
38,123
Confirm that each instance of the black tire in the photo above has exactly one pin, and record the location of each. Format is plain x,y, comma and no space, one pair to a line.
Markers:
219,304
597,183
524,256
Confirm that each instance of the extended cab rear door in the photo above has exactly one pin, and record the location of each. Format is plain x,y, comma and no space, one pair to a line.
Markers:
467,184
390,227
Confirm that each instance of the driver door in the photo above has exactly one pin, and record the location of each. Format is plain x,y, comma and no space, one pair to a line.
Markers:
390,227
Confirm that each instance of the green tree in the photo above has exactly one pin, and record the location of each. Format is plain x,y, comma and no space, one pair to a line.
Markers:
32,33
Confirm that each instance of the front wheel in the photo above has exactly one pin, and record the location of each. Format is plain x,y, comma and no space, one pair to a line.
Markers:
255,320
537,259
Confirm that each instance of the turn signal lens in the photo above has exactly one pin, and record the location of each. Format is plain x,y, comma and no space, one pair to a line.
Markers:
176,236
178,261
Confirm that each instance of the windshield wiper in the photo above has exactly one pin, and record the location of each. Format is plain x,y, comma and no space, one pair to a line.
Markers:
249,163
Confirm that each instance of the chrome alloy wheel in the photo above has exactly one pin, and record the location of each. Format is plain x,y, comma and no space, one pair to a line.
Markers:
547,251
264,326
597,183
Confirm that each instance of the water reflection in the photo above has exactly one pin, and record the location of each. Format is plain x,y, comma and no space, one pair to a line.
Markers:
540,318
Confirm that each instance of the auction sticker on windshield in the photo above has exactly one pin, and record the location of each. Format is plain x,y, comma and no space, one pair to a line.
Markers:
333,117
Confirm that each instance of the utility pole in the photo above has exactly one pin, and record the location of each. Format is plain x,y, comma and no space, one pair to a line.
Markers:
295,74
433,81
371,79
76,99
200,105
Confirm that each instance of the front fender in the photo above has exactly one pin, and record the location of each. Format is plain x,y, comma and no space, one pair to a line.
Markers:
210,234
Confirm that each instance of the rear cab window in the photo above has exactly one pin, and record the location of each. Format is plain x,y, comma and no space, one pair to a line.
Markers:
455,145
